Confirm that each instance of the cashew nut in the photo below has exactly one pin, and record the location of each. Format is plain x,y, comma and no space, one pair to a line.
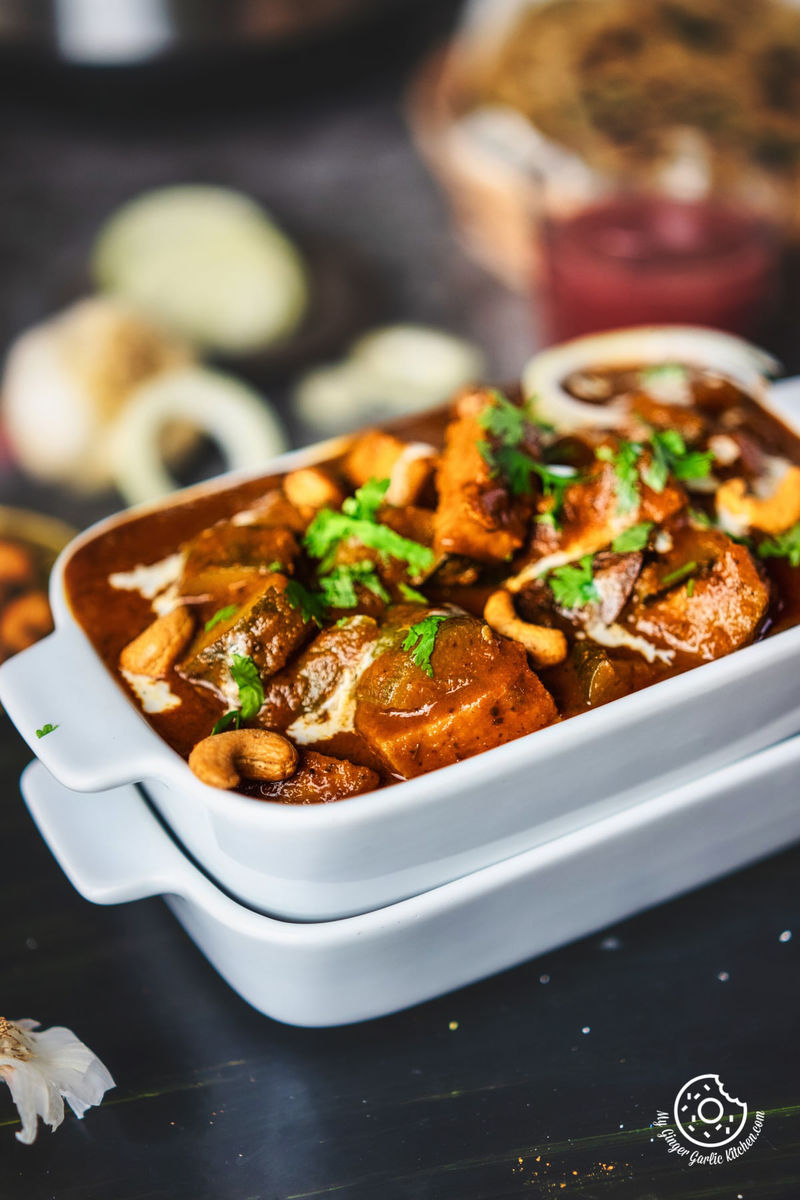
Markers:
25,620
740,511
153,652
410,473
311,487
222,758
16,567
546,646
378,455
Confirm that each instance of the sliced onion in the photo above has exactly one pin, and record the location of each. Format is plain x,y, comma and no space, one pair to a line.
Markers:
692,346
207,262
393,370
418,360
234,416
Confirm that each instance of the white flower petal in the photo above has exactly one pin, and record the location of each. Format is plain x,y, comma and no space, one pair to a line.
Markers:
34,1097
52,1064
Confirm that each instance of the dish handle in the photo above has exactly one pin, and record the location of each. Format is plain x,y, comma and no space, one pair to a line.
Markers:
75,717
108,844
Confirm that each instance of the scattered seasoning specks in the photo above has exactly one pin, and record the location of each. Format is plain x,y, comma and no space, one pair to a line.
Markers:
610,943
452,1025
786,936
544,979
586,1029
723,976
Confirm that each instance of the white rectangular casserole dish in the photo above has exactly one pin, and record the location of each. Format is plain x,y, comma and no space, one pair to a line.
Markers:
113,849
328,861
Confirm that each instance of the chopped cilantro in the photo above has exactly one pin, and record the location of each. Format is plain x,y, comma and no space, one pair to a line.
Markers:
511,462
222,614
244,674
411,594
670,454
229,720
635,538
690,588
311,605
679,574
695,464
330,528
276,566
624,461
517,466
421,639
555,479
503,420
338,587
43,732
785,545
506,423
574,586
664,373
367,500
700,518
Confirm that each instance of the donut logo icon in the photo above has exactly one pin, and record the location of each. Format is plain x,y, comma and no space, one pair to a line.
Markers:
706,1115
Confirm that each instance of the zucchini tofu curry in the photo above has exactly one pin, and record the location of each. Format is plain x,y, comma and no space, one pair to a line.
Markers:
463,578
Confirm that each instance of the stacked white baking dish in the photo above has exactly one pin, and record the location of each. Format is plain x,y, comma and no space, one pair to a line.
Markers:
457,873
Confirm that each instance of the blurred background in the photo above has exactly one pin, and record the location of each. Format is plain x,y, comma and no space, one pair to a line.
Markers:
231,226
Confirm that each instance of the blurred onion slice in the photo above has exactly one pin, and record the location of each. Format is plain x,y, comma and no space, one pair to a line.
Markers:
235,417
209,263
392,370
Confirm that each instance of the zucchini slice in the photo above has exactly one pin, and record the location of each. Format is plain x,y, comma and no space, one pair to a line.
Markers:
208,263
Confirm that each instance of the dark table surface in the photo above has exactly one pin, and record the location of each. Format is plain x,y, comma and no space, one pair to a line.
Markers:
541,1082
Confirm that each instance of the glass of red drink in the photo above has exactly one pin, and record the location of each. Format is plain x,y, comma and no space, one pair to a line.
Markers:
643,258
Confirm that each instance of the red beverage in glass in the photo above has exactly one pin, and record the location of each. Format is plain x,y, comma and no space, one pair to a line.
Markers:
636,260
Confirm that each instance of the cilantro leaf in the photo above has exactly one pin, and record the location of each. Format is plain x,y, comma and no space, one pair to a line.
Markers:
338,586
229,720
624,461
634,538
244,674
700,518
367,500
574,586
310,604
506,423
670,454
669,373
222,614
784,545
516,466
679,574
503,420
411,594
330,528
421,639
43,732
695,464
